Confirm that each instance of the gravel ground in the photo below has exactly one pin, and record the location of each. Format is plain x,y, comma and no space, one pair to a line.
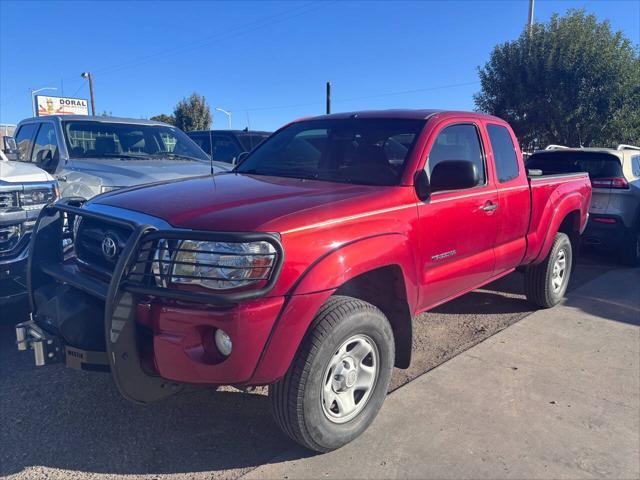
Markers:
59,423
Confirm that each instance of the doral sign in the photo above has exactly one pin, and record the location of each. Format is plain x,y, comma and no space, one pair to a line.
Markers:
46,105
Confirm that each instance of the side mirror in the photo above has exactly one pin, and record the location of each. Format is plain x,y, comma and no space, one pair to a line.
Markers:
9,145
422,185
454,175
240,158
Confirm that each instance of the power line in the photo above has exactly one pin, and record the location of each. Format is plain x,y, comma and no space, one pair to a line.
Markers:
232,33
350,99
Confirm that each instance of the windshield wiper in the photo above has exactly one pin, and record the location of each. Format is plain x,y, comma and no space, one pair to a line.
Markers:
176,155
119,155
301,176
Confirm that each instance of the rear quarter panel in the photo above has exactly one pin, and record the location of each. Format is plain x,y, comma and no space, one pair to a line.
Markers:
552,199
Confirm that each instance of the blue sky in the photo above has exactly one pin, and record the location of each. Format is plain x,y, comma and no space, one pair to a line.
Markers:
265,61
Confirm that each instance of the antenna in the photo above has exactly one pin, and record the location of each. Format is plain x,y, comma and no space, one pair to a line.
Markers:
211,151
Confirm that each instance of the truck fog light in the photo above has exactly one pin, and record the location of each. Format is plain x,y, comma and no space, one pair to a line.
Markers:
223,342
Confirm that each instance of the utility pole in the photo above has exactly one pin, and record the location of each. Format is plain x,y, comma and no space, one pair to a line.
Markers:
88,76
328,98
530,21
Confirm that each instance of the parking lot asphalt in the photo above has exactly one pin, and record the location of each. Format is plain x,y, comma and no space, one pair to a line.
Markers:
555,396
61,423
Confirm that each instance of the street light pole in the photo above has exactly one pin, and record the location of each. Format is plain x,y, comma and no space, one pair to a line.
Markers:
33,97
530,20
88,76
227,113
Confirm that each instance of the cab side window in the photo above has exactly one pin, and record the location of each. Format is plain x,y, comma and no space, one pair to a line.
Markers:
24,139
504,153
45,149
458,142
635,165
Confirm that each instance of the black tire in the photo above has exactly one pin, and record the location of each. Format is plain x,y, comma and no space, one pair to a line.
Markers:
630,252
297,399
539,279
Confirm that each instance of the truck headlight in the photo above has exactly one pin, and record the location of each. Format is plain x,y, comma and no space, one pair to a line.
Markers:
220,265
37,198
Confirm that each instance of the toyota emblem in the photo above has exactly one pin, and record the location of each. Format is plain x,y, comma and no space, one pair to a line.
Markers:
109,247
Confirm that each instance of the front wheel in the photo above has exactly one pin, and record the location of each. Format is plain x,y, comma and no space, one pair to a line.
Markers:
546,283
339,378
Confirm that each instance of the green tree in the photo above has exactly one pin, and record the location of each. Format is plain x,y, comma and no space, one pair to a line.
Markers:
192,113
164,118
571,81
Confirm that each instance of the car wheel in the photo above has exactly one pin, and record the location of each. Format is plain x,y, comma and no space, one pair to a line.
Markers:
339,378
546,283
630,254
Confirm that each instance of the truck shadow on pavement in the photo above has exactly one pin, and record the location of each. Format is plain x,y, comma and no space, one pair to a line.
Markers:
77,421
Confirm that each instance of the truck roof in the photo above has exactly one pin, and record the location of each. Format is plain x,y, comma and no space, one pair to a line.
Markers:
91,118
415,114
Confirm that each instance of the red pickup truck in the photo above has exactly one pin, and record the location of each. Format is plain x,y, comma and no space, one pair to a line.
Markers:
303,268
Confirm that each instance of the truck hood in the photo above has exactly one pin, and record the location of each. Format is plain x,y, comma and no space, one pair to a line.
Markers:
118,172
19,172
242,203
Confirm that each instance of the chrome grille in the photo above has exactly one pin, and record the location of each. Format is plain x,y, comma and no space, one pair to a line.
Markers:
8,200
9,237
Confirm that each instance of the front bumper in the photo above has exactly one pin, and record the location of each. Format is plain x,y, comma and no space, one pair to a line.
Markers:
155,339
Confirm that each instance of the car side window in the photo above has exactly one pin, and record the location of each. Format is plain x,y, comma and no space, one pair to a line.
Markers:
504,152
635,165
45,149
458,142
24,139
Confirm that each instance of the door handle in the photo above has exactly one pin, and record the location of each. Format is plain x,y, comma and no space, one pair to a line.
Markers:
489,206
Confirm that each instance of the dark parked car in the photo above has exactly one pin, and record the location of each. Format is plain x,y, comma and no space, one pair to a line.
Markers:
227,145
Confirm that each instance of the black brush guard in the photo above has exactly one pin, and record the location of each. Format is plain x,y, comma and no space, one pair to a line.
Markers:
46,267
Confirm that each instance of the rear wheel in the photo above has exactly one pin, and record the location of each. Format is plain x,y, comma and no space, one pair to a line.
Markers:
630,254
339,378
546,283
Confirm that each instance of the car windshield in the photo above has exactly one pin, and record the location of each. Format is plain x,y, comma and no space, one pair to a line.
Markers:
87,139
353,150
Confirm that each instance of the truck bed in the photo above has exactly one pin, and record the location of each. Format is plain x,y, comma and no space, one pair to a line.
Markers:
547,193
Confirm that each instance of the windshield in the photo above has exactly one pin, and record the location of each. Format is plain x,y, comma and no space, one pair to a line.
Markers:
353,150
87,139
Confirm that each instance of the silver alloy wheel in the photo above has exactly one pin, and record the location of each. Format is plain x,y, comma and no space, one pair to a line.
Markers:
350,378
559,270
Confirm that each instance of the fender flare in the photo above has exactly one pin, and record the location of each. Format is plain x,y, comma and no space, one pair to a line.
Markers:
571,203
352,259
318,282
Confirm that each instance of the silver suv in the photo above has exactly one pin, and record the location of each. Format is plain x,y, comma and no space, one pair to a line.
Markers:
614,215
92,155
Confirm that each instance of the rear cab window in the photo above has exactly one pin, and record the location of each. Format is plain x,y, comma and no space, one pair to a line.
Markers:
504,153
